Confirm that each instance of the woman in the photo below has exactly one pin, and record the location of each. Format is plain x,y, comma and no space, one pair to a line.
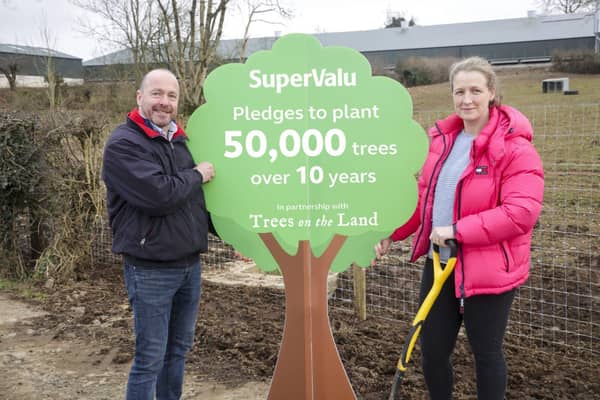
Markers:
482,184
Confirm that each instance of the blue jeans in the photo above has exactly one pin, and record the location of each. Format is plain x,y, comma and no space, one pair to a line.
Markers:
165,308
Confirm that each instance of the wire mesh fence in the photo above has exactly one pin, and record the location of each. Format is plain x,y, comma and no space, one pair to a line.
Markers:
558,309
220,254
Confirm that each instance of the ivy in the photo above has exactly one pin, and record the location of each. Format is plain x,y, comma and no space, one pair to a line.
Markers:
19,174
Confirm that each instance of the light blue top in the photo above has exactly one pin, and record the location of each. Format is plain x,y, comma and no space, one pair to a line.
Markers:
445,189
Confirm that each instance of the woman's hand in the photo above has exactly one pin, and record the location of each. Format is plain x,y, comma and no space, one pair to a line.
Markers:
382,248
440,234
240,256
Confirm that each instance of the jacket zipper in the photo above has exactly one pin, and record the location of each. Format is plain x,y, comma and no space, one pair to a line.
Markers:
462,260
459,250
424,211
145,237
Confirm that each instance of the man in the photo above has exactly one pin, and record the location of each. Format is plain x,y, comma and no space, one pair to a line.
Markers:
159,224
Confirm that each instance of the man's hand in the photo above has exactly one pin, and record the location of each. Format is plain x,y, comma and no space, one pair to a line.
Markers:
207,171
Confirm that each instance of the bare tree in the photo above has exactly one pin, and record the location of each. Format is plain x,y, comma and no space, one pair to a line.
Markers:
398,22
52,76
569,6
9,66
182,34
260,11
397,19
130,24
193,30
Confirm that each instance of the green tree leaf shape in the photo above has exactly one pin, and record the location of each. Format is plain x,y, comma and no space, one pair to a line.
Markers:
363,193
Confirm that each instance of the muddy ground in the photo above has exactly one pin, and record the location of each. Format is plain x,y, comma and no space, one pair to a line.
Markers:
81,348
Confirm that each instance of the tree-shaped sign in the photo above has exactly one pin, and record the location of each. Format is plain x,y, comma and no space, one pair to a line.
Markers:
315,162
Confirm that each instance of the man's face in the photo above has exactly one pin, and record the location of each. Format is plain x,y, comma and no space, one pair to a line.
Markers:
158,97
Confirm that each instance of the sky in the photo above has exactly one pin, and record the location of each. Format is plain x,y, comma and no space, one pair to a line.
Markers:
23,21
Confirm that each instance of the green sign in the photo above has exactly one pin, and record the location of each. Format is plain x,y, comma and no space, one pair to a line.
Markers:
306,145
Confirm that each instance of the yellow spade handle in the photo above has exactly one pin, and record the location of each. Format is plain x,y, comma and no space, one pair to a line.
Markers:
439,278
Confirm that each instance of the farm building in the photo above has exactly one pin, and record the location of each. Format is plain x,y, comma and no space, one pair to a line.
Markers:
517,40
531,39
31,65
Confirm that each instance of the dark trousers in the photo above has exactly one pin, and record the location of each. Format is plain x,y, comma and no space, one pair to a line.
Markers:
485,318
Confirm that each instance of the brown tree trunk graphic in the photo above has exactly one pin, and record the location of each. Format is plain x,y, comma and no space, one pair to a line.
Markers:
309,366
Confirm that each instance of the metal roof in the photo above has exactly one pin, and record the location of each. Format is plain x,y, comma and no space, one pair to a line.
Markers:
531,28
464,34
118,57
33,51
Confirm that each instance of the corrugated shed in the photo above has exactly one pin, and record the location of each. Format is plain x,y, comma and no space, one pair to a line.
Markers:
515,30
34,51
472,33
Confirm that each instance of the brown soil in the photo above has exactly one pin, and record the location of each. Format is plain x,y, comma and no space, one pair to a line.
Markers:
82,347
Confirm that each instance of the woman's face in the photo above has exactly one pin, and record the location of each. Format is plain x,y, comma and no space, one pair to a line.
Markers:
472,96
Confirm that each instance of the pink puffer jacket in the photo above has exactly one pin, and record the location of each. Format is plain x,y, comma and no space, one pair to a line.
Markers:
498,201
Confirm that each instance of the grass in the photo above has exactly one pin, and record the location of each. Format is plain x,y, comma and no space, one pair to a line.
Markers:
520,87
566,132
566,128
565,282
559,302
21,289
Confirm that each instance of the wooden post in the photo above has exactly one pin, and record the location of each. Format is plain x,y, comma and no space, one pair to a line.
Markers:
360,291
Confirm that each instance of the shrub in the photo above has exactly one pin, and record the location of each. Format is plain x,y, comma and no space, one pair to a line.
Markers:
416,71
24,99
75,198
52,192
576,62
19,177
113,98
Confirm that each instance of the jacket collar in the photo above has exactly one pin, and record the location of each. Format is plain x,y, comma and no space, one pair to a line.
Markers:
135,117
504,122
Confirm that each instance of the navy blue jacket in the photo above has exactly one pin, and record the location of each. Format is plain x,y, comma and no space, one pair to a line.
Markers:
155,200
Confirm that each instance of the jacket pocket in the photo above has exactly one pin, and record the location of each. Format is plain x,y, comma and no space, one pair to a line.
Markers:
147,227
505,256
190,222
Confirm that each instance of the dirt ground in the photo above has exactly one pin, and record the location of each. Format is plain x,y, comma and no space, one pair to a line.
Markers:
40,359
77,343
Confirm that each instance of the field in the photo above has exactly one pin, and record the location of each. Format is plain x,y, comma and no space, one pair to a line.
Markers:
553,344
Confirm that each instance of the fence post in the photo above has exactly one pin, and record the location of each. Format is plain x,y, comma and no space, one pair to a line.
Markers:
360,291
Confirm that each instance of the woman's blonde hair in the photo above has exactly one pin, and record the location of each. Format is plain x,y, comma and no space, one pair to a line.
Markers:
481,65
